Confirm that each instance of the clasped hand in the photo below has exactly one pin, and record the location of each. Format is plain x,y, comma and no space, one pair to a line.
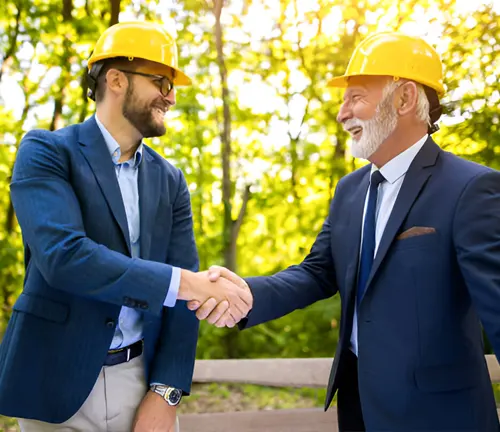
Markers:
218,295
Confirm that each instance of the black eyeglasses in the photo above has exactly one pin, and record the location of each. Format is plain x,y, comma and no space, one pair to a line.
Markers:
164,83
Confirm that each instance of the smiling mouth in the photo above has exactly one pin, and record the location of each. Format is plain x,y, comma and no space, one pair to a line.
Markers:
355,132
162,111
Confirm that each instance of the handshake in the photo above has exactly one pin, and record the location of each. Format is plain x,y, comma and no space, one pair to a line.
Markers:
217,295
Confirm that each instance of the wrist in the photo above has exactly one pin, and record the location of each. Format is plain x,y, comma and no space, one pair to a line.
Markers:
185,285
171,395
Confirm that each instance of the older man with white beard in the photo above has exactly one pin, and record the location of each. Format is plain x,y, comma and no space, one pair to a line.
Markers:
411,244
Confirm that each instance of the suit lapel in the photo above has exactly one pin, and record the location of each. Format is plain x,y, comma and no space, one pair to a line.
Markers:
96,152
353,233
417,176
149,195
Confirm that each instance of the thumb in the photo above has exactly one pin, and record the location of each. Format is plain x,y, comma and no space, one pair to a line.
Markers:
193,305
214,273
231,276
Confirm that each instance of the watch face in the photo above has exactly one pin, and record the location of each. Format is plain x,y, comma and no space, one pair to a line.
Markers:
175,396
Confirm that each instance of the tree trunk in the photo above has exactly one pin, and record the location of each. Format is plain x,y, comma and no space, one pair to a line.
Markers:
115,11
231,227
12,47
225,137
63,82
10,217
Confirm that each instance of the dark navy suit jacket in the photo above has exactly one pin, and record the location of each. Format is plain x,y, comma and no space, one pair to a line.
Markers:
421,363
79,272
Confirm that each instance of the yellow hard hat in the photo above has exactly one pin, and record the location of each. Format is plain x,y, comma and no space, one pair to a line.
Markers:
396,55
142,40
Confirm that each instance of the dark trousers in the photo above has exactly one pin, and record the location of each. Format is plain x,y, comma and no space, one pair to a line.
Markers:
349,411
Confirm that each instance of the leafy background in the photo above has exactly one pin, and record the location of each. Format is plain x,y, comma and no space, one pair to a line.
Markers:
256,134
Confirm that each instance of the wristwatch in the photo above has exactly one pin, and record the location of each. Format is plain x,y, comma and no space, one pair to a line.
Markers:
171,395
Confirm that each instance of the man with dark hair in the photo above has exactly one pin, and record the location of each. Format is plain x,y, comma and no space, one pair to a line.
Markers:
101,339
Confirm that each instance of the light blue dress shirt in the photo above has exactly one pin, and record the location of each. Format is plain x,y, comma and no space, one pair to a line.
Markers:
130,323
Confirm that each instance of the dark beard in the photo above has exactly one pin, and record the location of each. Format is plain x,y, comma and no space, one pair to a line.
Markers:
141,116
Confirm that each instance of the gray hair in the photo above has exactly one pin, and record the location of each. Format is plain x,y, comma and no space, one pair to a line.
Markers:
423,105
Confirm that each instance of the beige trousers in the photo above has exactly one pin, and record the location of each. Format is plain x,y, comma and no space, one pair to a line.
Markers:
111,405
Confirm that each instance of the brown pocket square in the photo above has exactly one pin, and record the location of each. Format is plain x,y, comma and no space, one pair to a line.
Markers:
415,231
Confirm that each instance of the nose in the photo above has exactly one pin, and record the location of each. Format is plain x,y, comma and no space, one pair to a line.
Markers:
345,113
170,98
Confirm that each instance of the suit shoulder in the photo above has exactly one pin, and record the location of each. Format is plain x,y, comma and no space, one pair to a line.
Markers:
460,172
58,138
463,169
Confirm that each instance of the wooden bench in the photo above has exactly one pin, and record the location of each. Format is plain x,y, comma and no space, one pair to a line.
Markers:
274,373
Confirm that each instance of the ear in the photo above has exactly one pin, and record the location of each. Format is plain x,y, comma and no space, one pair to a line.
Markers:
406,98
116,82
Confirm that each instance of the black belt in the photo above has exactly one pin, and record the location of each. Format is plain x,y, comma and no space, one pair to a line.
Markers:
124,354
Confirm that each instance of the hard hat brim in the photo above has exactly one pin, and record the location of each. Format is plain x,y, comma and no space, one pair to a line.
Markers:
181,79
343,80
339,81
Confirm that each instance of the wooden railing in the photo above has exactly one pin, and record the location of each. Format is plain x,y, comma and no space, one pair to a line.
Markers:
274,373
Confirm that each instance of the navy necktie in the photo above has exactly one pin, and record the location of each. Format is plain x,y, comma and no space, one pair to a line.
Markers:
368,246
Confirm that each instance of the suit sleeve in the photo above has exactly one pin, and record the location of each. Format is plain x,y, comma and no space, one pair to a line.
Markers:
51,221
476,233
173,364
297,286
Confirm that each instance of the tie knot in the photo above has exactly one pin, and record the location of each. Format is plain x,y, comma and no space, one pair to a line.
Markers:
377,178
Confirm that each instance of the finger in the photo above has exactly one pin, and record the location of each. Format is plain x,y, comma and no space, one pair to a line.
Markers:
242,300
218,312
230,322
246,296
229,275
205,309
221,322
193,305
239,308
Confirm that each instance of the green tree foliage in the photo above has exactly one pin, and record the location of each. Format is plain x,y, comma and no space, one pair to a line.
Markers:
256,135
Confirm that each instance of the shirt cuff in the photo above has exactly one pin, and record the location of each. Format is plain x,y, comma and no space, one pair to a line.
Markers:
173,290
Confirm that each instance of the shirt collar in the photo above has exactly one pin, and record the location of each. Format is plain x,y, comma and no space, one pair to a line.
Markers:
398,166
114,147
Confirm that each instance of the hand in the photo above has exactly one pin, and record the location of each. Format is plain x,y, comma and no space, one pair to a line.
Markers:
155,415
223,295
217,313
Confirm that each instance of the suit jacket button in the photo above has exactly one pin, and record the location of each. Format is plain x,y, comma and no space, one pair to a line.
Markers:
110,323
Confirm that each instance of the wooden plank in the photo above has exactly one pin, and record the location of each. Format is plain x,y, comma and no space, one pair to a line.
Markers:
298,420
299,372
493,368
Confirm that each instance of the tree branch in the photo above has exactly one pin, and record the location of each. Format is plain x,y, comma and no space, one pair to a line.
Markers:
9,54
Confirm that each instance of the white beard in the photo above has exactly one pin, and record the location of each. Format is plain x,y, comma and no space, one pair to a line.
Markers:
375,131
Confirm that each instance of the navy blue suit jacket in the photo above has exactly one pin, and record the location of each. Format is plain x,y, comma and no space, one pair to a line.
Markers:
79,272
421,362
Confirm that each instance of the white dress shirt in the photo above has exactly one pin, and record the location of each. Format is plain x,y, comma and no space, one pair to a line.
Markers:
394,173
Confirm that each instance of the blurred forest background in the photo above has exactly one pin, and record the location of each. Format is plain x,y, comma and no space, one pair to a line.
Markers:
256,134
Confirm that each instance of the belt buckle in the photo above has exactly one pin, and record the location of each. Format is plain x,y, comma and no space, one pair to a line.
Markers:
128,354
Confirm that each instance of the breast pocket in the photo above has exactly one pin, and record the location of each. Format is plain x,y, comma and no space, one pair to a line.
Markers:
423,241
